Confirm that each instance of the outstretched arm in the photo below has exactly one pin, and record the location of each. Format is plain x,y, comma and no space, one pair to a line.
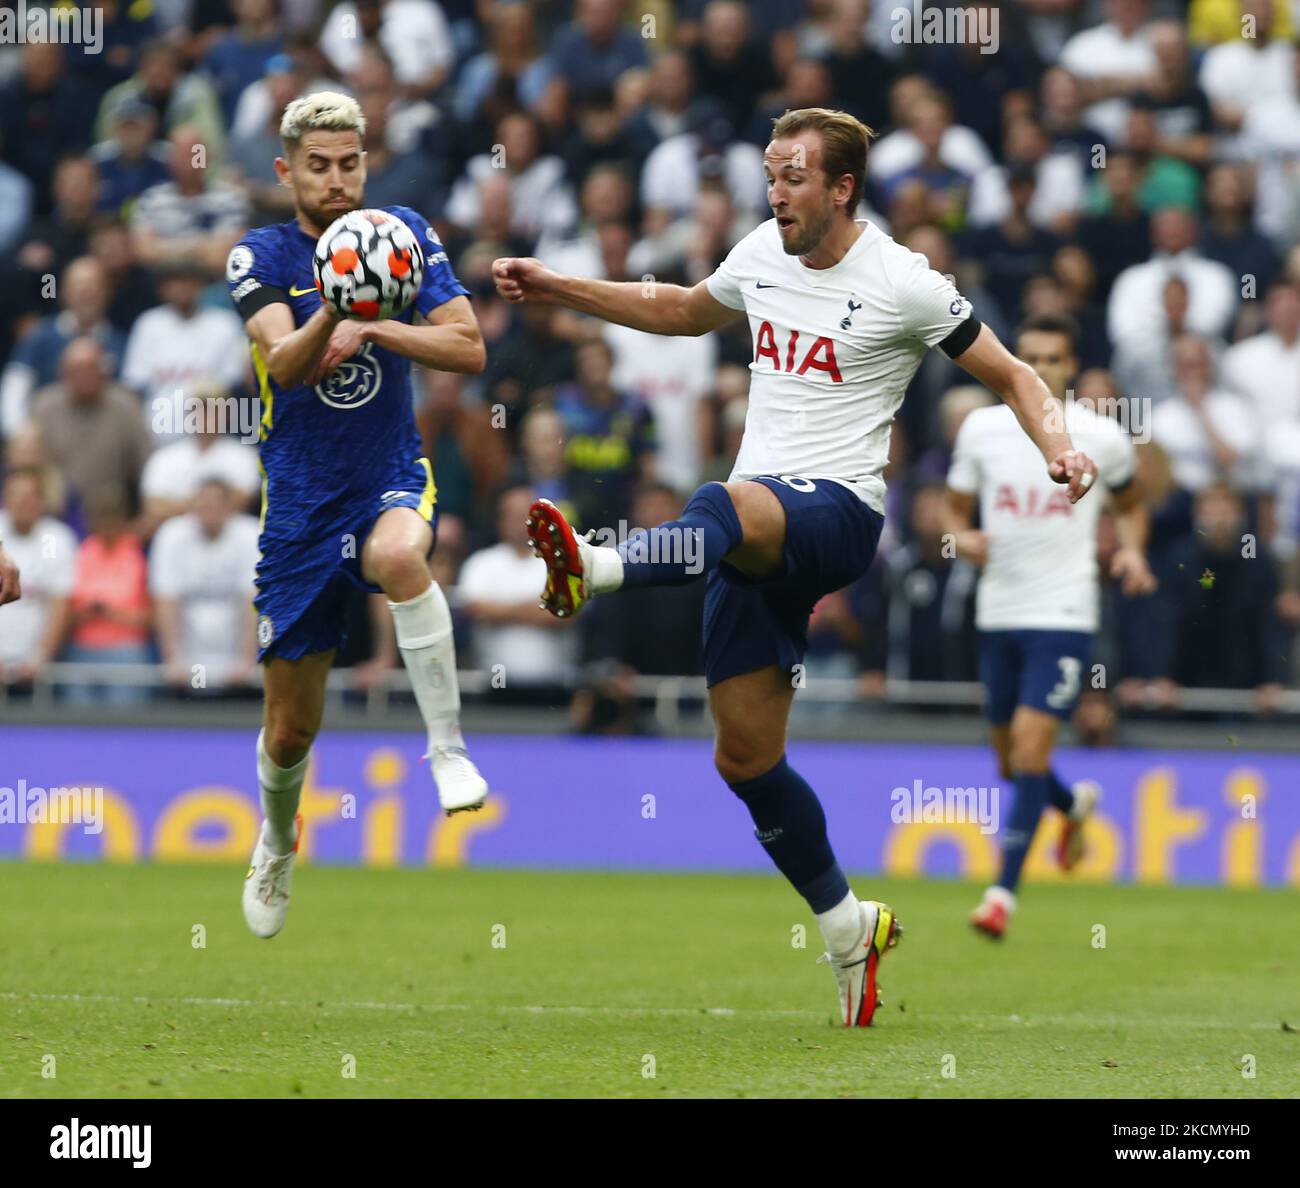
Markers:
644,305
1040,414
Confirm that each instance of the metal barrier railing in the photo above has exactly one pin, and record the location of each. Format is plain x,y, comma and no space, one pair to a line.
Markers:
668,694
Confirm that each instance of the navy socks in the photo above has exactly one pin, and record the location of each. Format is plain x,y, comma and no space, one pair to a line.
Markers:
682,551
1031,795
791,826
1058,795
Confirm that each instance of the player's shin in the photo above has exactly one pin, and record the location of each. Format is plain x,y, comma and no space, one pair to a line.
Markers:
790,824
424,637
683,550
280,788
1031,796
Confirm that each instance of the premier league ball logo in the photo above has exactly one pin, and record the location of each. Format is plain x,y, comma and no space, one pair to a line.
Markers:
368,265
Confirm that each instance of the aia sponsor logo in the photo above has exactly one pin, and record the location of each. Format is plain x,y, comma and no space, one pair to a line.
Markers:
1032,502
814,354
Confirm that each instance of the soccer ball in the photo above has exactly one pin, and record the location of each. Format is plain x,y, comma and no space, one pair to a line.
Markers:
368,265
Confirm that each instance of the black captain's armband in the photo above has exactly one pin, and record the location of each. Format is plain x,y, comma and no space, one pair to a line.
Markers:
250,295
961,338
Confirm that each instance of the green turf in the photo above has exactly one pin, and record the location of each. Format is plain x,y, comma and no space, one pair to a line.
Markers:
397,969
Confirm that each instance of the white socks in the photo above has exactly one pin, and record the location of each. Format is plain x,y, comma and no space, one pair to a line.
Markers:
280,787
423,626
606,569
842,926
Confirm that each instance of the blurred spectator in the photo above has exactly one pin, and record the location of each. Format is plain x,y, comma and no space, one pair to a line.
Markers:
1166,180
541,465
128,26
1270,140
180,99
595,47
609,439
174,473
671,100
960,149
1055,176
190,216
729,64
671,376
1115,230
605,198
201,571
15,204
513,58
1113,61
131,288
45,114
1014,249
922,622
1135,308
521,646
413,33
1062,115
469,453
1144,364
1223,632
180,344
33,628
1266,368
52,243
92,427
1184,122
411,179
35,360
26,450
675,171
957,404
132,159
110,610
860,75
253,153
238,58
1247,69
303,60
1228,235
1210,435
540,197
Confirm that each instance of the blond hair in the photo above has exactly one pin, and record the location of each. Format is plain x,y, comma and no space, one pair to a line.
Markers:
844,143
328,110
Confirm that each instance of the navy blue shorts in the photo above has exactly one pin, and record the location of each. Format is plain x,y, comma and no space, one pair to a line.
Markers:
830,540
303,585
1044,670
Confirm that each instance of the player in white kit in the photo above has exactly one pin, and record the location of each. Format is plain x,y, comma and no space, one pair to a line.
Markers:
1037,603
841,317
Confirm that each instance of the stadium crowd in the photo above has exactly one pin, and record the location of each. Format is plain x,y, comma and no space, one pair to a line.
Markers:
1131,164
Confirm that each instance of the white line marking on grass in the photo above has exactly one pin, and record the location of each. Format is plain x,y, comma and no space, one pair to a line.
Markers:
1075,1020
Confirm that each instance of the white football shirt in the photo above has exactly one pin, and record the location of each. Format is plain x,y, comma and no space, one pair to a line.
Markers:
834,351
1041,572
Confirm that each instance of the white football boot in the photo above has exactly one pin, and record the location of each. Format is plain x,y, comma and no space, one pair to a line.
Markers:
1069,850
855,975
460,787
266,886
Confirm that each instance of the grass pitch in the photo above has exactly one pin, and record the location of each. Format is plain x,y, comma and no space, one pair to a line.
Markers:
470,983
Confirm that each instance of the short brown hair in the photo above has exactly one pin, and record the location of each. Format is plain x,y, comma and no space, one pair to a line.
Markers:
844,143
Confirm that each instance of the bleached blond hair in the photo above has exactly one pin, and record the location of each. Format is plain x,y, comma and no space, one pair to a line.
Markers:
328,110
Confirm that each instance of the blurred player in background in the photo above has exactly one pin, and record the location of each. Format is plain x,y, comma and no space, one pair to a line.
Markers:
1037,604
347,494
841,317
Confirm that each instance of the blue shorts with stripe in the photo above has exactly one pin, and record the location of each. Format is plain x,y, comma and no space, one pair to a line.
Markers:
830,540
1043,670
303,581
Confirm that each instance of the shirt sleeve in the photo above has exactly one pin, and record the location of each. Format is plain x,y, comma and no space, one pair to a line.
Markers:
1120,458
440,283
964,469
253,277
724,284
930,308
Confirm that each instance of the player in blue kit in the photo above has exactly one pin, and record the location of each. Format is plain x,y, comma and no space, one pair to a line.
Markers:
347,496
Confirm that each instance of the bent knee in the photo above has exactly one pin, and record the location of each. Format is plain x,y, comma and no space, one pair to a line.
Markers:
738,762
287,740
